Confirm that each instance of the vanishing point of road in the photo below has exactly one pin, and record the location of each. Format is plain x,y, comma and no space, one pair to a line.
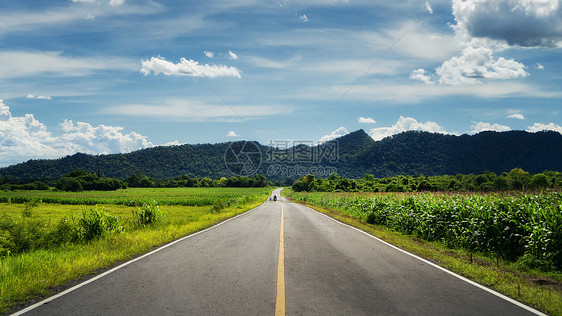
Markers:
280,258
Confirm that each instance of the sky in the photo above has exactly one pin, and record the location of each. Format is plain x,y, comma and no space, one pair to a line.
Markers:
114,76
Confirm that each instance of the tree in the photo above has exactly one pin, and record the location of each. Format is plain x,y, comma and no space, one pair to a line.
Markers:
71,184
137,179
539,180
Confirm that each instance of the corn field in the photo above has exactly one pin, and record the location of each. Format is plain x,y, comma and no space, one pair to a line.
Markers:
517,227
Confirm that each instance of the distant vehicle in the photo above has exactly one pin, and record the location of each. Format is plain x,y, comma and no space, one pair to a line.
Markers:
275,198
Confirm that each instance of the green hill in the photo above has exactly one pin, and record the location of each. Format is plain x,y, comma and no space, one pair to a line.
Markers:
352,155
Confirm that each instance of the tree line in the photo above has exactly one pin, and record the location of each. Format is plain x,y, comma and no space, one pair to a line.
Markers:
80,180
516,179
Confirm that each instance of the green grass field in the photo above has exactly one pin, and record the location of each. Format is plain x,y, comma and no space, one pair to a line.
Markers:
35,268
131,196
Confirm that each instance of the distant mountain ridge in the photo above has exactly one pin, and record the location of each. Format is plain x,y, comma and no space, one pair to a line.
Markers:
408,153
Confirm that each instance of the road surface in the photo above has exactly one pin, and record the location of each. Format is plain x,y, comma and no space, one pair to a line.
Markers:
279,257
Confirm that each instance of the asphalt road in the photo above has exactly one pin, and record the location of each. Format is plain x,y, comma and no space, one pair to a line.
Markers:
232,269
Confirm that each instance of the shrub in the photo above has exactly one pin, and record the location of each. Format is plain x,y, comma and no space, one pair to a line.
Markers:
148,213
218,206
66,231
94,224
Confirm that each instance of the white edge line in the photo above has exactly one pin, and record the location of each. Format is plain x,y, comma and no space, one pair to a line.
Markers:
507,298
97,277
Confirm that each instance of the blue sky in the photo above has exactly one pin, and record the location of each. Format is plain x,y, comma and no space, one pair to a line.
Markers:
108,76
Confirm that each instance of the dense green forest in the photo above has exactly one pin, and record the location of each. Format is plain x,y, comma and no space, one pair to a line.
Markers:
516,179
354,155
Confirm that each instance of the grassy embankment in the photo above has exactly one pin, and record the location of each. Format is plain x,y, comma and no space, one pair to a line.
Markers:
482,237
34,268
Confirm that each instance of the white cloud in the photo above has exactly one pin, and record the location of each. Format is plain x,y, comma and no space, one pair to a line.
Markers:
90,16
366,120
485,27
195,111
232,55
538,127
516,115
187,68
209,54
39,97
483,126
232,134
528,23
478,63
23,138
428,7
406,124
83,137
341,131
172,143
303,18
420,74
116,2
110,2
16,64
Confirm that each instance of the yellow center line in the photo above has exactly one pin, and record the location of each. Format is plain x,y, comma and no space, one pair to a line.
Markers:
280,301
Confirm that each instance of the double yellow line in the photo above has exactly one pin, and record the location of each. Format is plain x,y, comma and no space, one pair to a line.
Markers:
280,301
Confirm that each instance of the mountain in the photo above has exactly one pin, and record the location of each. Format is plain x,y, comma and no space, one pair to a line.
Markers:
352,155
416,153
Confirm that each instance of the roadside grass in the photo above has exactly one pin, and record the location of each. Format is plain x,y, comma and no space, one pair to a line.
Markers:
37,273
541,290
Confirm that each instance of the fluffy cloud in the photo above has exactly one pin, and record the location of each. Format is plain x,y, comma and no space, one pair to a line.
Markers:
83,137
428,7
232,55
366,120
482,126
303,18
187,68
173,143
517,22
232,134
516,115
23,138
540,67
341,131
405,124
486,27
116,2
40,97
421,75
209,54
478,63
538,127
